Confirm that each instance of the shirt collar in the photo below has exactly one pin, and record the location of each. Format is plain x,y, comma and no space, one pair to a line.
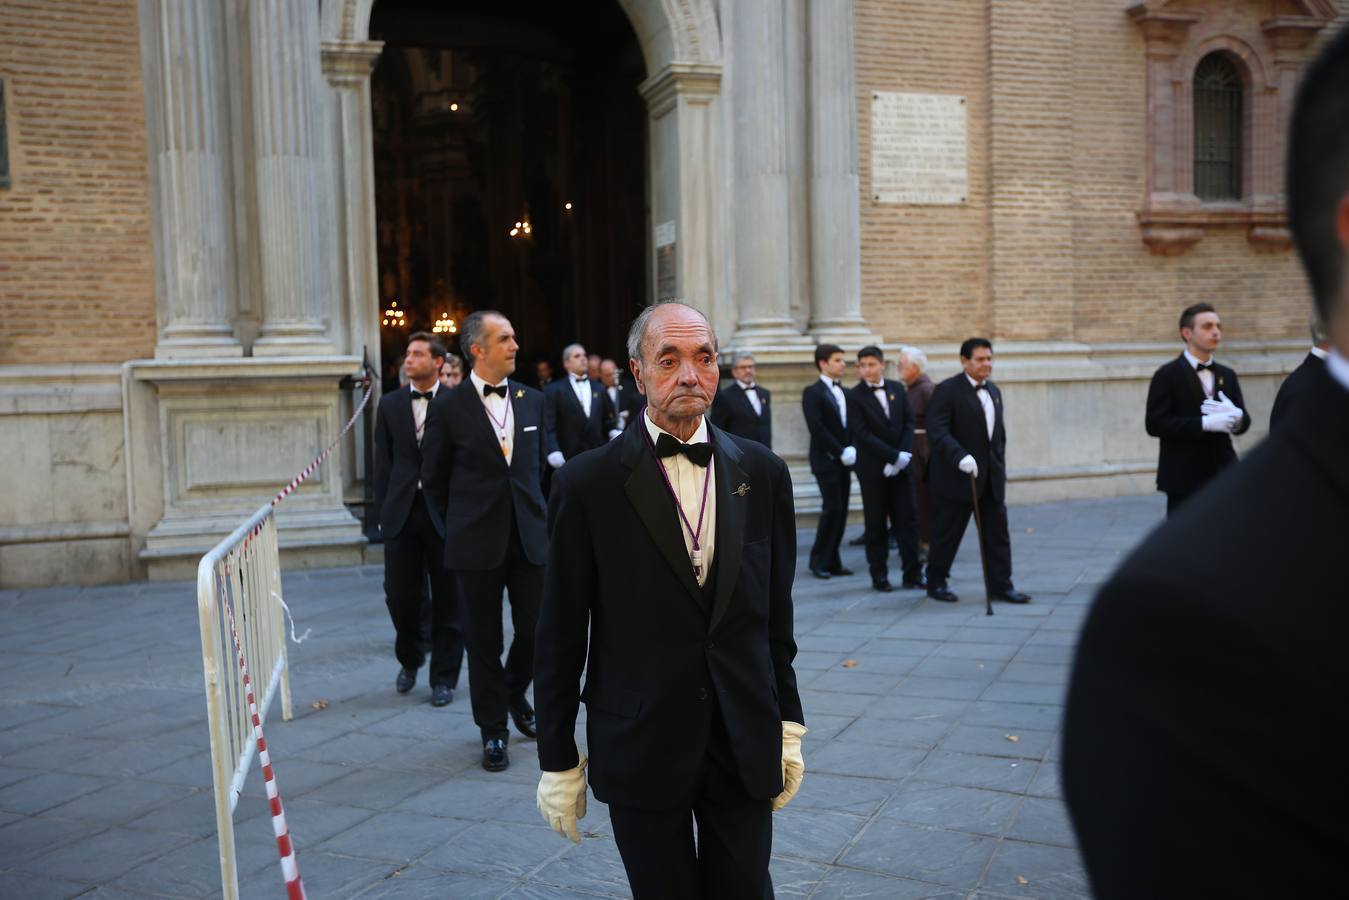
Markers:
828,382
974,384
1194,360
1338,367
578,379
699,436
749,387
1319,353
876,387
435,386
480,383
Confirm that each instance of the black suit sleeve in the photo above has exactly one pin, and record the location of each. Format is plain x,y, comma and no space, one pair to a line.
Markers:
811,408
608,414
436,455
560,638
1233,392
939,437
782,643
1162,419
906,440
383,459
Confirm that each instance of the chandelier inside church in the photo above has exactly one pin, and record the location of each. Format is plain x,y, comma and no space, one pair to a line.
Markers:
393,317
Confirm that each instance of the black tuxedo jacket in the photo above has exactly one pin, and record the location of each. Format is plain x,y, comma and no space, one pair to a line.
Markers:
732,411
1190,456
1201,732
1294,387
471,490
573,431
955,427
398,460
880,437
630,400
658,650
828,434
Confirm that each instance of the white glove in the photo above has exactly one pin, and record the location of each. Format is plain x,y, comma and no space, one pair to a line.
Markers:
793,764
968,466
890,470
562,799
902,462
848,456
556,459
1221,405
1221,421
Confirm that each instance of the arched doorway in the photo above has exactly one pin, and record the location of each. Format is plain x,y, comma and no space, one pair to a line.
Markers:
509,155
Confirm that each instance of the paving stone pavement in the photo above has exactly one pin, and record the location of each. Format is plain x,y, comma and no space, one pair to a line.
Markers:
932,763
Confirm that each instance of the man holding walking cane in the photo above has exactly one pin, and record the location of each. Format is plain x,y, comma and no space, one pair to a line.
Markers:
968,444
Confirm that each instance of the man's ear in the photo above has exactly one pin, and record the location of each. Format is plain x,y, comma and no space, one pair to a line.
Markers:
637,376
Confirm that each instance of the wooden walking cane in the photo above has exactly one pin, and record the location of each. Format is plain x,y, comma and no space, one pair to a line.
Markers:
983,555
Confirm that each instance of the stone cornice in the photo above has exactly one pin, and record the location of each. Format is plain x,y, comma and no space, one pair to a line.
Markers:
350,60
694,80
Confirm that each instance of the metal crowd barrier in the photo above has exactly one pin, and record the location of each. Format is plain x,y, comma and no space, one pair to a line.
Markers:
239,581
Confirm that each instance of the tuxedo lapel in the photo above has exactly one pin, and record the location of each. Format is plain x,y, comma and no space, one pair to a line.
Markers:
1193,385
512,389
408,423
475,411
976,409
650,497
730,518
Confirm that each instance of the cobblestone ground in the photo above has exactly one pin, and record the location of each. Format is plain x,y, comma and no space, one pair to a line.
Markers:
932,762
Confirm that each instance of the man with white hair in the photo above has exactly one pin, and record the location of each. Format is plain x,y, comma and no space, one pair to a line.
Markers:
742,406
913,372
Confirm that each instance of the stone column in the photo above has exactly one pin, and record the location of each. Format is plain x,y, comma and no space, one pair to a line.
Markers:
347,65
835,238
759,210
191,180
285,52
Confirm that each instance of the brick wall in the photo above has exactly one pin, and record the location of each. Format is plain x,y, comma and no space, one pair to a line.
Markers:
75,245
1048,248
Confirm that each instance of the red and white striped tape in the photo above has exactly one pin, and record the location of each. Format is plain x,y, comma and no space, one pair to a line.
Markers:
290,869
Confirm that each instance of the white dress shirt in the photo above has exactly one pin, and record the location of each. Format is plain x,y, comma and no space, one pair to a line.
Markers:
419,405
879,391
837,393
1205,377
986,401
687,480
752,394
1338,367
1319,353
581,387
495,408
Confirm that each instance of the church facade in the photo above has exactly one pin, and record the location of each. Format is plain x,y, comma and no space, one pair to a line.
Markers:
206,207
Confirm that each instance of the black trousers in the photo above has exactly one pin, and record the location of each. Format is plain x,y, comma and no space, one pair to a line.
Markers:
834,487
949,519
1174,500
888,503
492,687
412,559
730,857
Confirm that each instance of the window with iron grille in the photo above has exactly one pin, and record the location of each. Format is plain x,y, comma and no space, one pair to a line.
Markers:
1217,128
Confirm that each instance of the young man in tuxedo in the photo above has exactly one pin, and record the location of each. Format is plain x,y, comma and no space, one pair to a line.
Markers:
832,456
682,624
626,401
414,539
581,415
1300,379
1200,750
968,441
883,431
1194,406
742,407
483,458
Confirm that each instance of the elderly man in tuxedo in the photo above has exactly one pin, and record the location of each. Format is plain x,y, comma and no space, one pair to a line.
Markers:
742,407
682,623
483,458
1194,405
414,538
968,441
1200,743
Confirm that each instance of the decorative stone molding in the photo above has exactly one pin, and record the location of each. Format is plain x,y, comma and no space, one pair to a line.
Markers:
1269,54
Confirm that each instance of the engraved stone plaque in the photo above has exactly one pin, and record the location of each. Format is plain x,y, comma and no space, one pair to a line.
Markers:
918,148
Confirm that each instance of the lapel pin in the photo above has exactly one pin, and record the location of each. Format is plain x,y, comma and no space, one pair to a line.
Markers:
742,490
519,394
892,396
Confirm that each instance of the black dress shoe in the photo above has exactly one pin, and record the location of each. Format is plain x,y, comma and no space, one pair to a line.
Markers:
441,695
884,587
406,679
916,584
859,540
942,593
819,573
840,571
1012,596
494,758
522,714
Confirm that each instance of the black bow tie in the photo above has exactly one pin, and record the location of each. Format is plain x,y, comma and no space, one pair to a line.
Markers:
877,387
981,387
1203,367
749,387
418,395
499,390
834,383
669,445
582,379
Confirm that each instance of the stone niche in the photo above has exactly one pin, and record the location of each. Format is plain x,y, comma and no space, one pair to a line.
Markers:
218,439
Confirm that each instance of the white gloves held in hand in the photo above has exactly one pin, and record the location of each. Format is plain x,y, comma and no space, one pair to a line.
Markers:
1221,414
968,466
793,764
556,459
890,470
849,456
562,799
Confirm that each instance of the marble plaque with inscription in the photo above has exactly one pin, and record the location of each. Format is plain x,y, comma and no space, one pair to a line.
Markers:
918,148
